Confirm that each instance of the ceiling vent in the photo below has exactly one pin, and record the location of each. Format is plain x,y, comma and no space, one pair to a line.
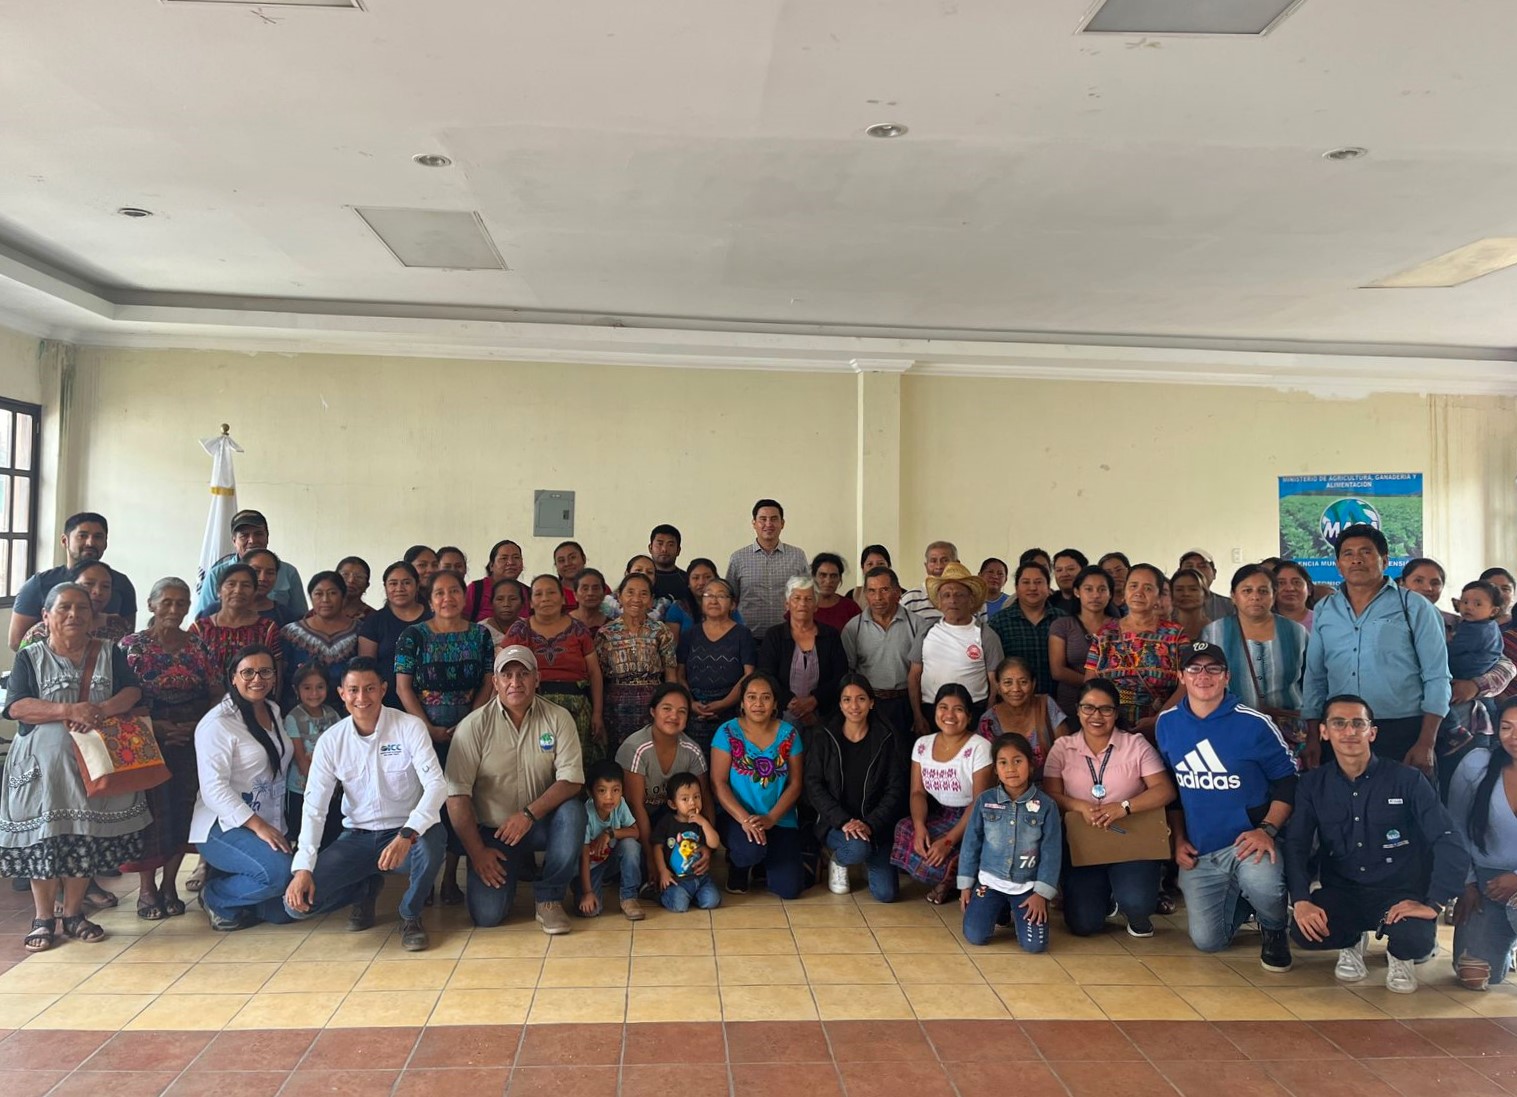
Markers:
433,239
1202,17
350,5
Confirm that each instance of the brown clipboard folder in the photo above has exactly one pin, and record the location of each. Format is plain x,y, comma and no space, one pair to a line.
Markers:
1146,838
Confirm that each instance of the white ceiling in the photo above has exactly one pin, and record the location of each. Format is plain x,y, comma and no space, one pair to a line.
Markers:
690,162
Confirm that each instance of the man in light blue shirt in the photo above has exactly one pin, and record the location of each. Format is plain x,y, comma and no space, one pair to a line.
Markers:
1377,641
250,530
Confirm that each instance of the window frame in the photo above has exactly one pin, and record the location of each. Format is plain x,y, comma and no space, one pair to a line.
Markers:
29,538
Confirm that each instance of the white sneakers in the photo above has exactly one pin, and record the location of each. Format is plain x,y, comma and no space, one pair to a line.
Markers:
1400,975
1351,967
837,878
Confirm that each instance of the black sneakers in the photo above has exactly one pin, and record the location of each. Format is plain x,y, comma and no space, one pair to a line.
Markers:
1275,951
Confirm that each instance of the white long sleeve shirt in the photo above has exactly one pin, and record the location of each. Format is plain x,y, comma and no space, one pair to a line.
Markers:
236,782
390,779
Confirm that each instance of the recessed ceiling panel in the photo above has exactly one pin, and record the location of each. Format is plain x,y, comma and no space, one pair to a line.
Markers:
1188,16
355,5
438,239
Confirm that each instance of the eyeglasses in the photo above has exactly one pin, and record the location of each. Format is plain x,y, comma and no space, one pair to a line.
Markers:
1358,723
1206,670
263,674
1098,710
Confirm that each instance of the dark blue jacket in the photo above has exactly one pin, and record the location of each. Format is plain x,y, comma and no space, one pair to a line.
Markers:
1379,830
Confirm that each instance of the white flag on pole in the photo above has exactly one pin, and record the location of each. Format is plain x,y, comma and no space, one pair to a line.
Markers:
218,524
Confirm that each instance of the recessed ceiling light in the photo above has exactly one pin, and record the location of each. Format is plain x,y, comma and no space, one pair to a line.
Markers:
1188,16
886,129
134,211
1456,267
1347,152
432,160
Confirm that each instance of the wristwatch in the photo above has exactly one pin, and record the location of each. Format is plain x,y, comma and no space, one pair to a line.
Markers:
1270,829
1126,807
408,834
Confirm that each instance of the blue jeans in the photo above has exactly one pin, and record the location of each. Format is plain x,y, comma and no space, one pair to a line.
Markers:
1220,890
780,855
1489,933
688,891
558,836
627,855
987,905
346,866
1089,891
884,882
250,874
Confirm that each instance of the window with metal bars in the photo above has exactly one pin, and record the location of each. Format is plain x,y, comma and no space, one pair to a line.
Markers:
20,449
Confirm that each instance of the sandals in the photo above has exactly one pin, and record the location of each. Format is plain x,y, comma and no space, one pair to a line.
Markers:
196,879
152,910
173,907
942,893
40,939
1472,972
97,897
1166,903
80,928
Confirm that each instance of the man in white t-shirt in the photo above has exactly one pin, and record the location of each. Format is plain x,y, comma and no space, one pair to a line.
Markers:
955,648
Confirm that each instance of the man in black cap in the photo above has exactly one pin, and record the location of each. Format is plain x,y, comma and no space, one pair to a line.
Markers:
250,530
1237,781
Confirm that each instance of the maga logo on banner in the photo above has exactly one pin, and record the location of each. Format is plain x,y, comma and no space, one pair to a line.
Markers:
1314,510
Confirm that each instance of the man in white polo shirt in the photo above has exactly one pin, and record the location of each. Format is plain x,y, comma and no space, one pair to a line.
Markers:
392,795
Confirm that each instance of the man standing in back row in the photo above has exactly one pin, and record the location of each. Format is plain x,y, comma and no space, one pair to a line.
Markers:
250,530
757,573
85,536
1376,640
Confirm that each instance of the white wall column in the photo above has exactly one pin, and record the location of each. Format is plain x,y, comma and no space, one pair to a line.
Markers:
878,431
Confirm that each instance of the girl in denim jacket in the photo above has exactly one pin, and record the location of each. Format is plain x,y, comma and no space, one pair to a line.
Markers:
1012,854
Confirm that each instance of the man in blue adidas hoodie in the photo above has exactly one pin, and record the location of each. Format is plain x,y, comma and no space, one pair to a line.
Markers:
1237,783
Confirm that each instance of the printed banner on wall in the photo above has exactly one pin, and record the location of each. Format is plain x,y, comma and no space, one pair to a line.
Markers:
1315,509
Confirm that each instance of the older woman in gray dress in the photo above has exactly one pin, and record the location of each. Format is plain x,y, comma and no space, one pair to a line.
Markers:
50,831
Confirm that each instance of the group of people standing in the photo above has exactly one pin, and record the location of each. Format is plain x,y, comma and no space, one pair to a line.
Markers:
958,732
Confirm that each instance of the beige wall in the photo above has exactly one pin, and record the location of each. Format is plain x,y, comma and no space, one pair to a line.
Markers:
1154,470
367,455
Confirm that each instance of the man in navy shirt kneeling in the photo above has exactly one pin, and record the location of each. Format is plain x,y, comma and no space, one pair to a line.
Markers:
1237,782
1378,824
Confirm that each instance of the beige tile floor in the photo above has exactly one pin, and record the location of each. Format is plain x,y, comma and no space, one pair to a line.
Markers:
823,957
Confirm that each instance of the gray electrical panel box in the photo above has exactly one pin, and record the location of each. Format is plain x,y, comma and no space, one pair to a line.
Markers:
552,513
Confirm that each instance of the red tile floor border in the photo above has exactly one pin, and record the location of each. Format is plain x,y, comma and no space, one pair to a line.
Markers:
753,1059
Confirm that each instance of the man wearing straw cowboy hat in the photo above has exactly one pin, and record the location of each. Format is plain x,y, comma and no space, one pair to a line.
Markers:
956,648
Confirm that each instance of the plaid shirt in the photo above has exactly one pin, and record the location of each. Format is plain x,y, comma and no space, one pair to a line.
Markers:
1021,637
758,579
